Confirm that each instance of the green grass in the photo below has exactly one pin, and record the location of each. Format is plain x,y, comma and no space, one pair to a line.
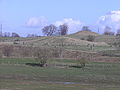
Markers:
16,60
36,85
105,38
86,48
15,74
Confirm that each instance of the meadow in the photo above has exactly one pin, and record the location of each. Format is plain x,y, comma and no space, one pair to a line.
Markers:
16,74
20,62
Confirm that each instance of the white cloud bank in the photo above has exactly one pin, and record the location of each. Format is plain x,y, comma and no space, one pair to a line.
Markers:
74,25
40,22
111,19
36,22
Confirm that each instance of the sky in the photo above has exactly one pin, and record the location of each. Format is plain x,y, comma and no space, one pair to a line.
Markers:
30,16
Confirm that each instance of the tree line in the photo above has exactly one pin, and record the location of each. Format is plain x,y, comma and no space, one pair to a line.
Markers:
108,31
8,34
52,30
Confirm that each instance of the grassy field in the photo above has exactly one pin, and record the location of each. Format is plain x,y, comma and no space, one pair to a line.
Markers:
15,74
101,73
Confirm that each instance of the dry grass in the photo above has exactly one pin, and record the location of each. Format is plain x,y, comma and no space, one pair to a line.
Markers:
53,41
86,33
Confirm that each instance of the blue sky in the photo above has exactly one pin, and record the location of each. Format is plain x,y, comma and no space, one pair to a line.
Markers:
15,14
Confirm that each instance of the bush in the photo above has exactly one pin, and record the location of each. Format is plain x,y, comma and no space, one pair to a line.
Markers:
91,38
81,62
42,55
82,59
41,61
82,38
7,50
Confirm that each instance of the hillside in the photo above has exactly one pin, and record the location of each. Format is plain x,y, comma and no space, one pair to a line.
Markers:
74,41
71,44
98,38
82,34
52,41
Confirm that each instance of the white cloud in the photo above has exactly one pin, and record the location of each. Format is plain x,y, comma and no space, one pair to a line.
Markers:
74,25
36,22
111,19
40,22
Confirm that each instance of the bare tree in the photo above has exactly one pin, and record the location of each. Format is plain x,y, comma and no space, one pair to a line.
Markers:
6,34
118,32
85,28
32,35
107,31
15,35
63,29
49,30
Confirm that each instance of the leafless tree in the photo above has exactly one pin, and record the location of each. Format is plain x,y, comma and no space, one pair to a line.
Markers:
49,30
15,35
107,31
85,28
63,29
32,35
118,32
6,34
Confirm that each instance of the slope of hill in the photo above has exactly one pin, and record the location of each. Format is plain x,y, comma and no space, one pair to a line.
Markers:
82,34
105,38
109,39
73,41
53,41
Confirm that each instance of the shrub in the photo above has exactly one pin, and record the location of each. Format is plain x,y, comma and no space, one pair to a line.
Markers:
82,59
7,50
82,62
82,38
91,38
42,61
42,55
